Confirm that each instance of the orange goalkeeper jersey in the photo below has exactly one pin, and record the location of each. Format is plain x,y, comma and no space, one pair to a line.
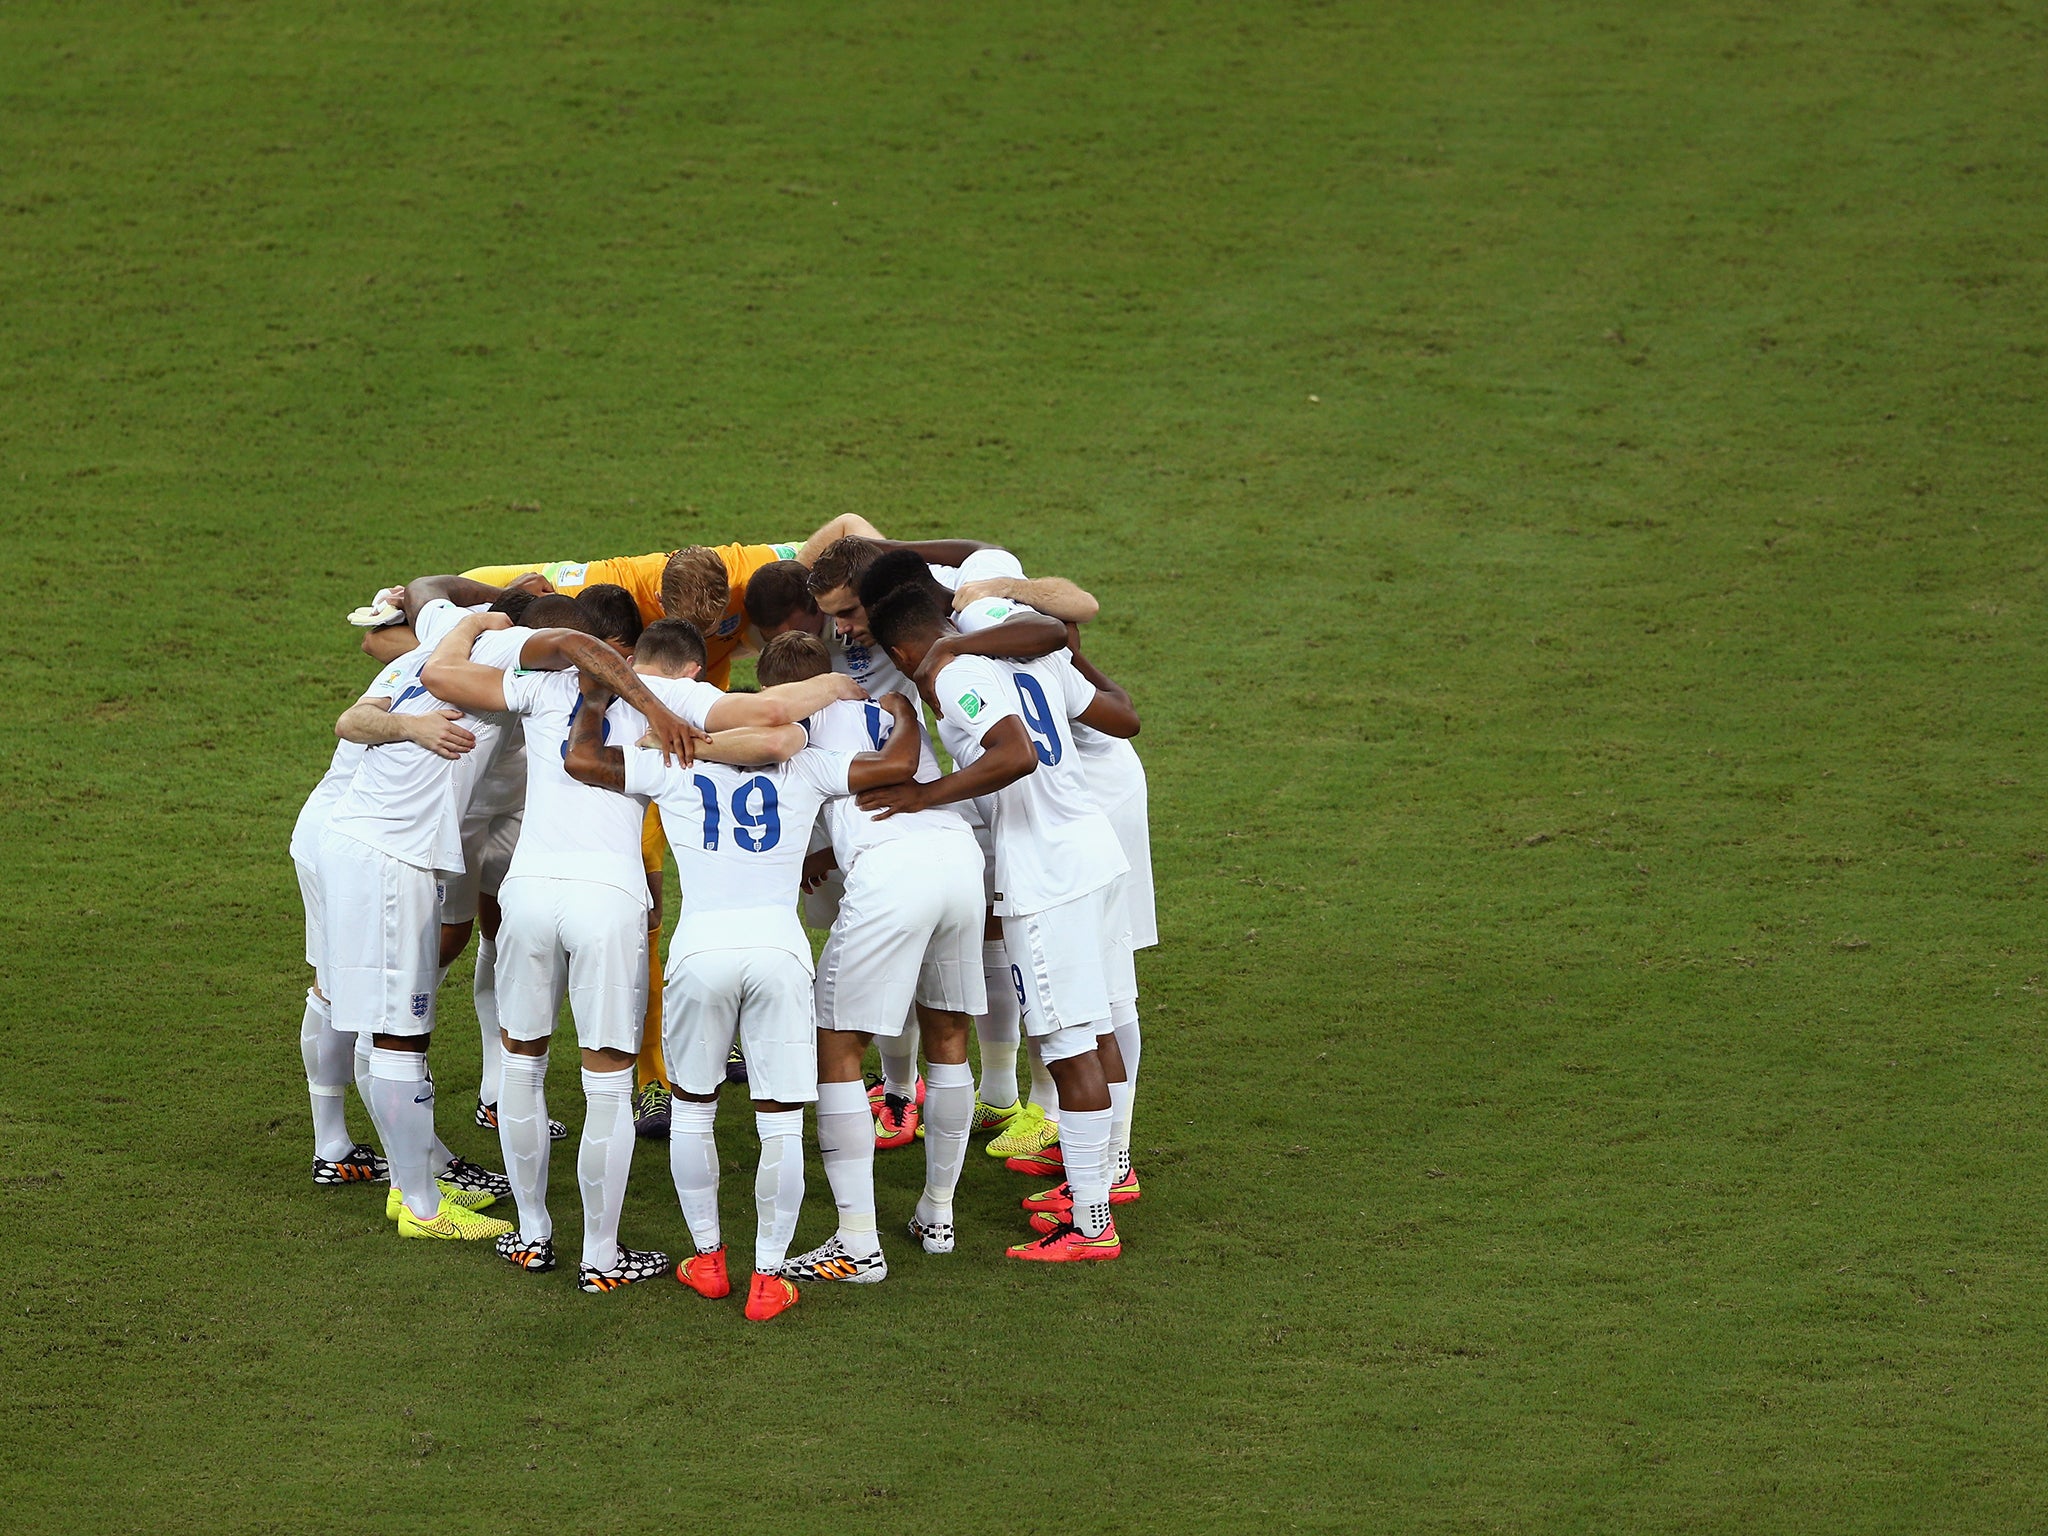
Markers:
641,576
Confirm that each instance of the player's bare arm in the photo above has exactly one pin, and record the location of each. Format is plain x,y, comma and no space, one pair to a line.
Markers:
845,525
896,763
1048,594
459,590
369,722
751,746
449,673
555,650
1006,756
587,759
937,551
1111,709
1021,637
784,704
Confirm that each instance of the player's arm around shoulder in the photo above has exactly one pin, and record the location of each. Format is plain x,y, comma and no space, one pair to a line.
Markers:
1110,711
753,746
586,758
450,674
784,704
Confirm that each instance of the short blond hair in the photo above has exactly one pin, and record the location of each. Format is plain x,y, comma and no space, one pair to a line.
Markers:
695,588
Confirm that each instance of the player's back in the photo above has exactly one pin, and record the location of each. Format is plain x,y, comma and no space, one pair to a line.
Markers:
852,726
739,837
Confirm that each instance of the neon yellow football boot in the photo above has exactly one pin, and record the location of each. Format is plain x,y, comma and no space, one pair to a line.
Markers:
451,1224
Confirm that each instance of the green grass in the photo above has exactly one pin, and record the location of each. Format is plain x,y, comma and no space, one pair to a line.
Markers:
1563,485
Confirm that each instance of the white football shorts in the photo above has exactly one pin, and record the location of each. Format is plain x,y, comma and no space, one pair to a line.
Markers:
309,897
909,930
1060,960
488,854
380,926
581,937
764,995
1134,836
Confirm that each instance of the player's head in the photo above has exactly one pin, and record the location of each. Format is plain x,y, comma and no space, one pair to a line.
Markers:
905,623
779,600
614,616
791,657
695,588
901,568
551,610
835,585
669,648
514,604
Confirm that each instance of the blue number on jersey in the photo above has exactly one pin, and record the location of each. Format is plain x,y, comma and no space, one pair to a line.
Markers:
604,732
708,793
878,725
756,828
761,829
414,692
1038,719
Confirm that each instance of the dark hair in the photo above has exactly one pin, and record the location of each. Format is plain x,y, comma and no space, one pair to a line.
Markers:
671,644
552,610
791,657
776,591
514,604
612,612
841,564
908,613
899,568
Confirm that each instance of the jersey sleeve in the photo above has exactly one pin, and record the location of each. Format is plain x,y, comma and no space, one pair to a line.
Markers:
974,693
390,682
525,690
1080,693
432,623
823,769
646,774
500,648
986,614
985,564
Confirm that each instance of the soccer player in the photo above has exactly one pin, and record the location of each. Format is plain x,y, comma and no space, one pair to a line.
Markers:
329,1053
908,931
389,836
1116,775
574,902
740,961
1008,726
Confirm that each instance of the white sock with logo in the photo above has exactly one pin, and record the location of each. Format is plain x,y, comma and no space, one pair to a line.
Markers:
948,1112
484,991
604,1161
778,1185
846,1142
1120,1097
329,1057
1130,1042
693,1164
1084,1143
405,1106
997,1030
523,1134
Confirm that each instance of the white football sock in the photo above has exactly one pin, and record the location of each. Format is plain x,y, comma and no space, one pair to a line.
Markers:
1120,1097
948,1111
364,1045
1130,1042
997,1030
605,1160
846,1141
329,1056
405,1105
484,990
1044,1092
899,1062
523,1134
693,1164
778,1186
1084,1143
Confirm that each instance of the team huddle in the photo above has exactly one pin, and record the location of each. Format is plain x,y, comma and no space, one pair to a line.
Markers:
541,735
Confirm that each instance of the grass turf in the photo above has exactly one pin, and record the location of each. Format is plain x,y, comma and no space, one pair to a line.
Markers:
1561,482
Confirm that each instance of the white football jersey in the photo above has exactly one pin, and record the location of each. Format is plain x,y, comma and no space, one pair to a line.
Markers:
739,837
850,727
406,801
1052,842
568,831
341,771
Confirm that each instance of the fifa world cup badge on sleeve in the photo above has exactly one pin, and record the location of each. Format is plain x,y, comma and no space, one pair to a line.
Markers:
970,704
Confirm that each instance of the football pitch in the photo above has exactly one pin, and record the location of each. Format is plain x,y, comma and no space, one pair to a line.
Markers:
1564,487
